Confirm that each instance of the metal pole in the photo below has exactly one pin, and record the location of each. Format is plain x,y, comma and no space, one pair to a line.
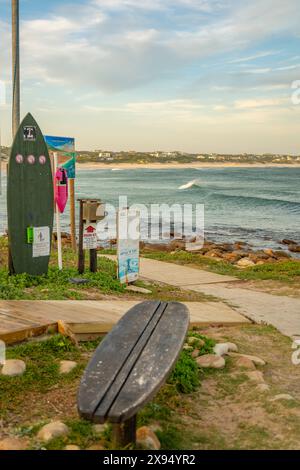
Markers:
15,66
16,88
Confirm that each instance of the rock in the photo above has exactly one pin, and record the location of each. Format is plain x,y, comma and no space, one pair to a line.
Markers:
194,340
13,443
262,388
65,367
13,368
283,396
100,428
71,448
232,347
282,254
244,363
146,439
256,360
221,349
239,245
96,447
195,353
216,254
211,361
256,376
232,257
288,242
138,290
270,253
245,263
156,427
294,248
52,430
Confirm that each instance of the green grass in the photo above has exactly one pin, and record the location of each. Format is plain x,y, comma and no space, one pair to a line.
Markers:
42,376
285,271
56,286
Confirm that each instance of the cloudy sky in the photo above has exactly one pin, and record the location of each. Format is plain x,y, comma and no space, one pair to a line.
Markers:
194,75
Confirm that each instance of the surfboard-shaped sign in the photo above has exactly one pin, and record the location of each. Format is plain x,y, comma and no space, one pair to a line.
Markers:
30,200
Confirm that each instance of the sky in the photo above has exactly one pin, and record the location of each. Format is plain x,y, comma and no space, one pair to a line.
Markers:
190,75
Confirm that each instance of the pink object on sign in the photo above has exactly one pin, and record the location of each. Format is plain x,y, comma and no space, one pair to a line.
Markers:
61,189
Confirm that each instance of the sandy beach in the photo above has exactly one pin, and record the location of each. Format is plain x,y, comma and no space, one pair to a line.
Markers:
177,166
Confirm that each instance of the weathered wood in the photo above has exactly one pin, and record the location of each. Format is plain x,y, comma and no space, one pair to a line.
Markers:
133,362
30,201
111,356
124,434
81,254
154,364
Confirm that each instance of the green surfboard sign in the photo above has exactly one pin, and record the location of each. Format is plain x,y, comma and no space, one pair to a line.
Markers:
30,200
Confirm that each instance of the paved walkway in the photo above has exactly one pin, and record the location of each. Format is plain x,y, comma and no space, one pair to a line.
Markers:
280,311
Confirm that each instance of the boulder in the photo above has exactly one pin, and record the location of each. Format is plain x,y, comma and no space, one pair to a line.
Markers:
221,349
146,439
65,367
283,396
294,248
256,360
13,368
244,363
211,361
52,430
195,353
138,290
13,443
245,263
232,347
96,447
72,448
232,258
288,242
193,340
256,376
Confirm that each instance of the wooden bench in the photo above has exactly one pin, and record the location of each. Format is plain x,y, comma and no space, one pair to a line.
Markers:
131,364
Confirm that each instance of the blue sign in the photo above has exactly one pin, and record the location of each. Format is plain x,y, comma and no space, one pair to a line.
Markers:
65,147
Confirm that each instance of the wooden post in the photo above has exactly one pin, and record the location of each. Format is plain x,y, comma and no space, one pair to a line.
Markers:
81,257
93,261
124,435
72,214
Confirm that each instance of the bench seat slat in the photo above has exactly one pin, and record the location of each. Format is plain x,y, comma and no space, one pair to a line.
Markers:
118,383
154,365
111,356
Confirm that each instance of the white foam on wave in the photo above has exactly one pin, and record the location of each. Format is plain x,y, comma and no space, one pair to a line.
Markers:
190,184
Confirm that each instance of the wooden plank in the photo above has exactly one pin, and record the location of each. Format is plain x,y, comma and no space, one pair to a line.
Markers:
110,357
138,346
153,366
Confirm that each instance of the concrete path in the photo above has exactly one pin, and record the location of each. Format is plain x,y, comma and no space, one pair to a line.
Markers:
280,311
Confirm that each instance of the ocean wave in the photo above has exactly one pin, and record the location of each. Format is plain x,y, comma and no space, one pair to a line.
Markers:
258,201
190,184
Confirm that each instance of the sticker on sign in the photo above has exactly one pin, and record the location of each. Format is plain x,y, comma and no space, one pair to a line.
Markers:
41,242
90,240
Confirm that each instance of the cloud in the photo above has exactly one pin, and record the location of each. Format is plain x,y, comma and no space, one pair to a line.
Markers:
259,103
117,45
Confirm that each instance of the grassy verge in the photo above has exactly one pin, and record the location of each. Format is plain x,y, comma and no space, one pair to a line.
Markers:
53,396
56,284
285,271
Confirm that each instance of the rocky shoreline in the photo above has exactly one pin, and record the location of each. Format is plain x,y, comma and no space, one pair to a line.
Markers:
239,253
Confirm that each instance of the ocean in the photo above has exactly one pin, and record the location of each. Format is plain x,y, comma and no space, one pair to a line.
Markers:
258,205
